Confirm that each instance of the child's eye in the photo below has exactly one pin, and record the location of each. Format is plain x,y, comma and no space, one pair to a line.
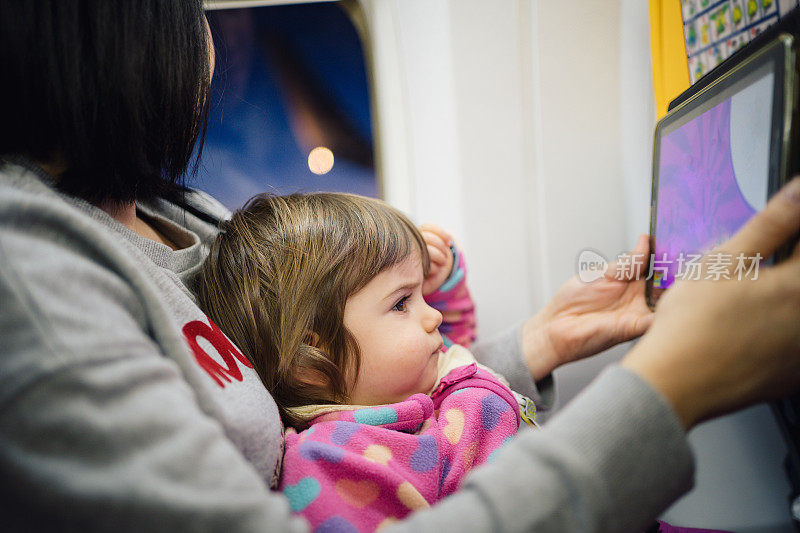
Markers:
401,304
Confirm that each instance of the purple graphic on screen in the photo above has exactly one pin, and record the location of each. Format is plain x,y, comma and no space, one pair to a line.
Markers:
700,203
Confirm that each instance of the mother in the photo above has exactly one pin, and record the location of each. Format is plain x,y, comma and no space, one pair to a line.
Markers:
123,406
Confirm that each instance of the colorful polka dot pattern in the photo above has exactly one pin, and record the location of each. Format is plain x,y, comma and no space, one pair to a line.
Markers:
355,471
427,454
301,494
454,428
375,417
357,493
336,524
378,454
410,496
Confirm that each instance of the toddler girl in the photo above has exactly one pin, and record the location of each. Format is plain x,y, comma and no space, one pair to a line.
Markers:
325,293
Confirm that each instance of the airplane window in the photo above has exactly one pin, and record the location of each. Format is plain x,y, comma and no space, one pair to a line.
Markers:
290,104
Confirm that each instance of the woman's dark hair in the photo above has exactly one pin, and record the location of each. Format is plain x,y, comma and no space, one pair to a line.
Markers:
113,91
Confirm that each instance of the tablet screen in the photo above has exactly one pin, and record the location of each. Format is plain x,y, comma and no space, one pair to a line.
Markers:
713,171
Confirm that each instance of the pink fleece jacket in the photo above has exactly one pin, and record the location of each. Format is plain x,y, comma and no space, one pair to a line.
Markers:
357,470
455,303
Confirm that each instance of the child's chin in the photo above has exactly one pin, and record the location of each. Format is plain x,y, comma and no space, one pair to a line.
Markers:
430,383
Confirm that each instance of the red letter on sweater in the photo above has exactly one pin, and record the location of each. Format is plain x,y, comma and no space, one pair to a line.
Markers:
224,347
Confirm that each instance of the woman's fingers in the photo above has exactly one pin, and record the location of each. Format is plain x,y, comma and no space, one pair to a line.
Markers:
768,230
718,344
634,262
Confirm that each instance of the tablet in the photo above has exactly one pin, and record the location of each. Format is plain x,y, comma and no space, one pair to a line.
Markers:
717,158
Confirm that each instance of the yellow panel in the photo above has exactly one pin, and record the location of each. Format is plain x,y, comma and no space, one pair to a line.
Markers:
670,67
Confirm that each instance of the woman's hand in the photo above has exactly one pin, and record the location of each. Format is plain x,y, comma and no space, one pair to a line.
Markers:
716,346
583,319
439,242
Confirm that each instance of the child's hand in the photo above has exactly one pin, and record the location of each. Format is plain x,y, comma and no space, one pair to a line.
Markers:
439,242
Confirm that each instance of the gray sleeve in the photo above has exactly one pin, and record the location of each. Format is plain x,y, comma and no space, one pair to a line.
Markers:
503,353
120,445
611,460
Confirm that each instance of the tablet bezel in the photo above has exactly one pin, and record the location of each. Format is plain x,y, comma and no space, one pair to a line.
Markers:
780,53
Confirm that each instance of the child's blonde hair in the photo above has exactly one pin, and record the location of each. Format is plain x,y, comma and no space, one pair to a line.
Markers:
277,279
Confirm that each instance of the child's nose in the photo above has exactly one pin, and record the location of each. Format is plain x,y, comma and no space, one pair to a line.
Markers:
432,318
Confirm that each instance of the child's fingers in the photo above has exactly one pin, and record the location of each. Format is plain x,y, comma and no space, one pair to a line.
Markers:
437,255
431,239
438,231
